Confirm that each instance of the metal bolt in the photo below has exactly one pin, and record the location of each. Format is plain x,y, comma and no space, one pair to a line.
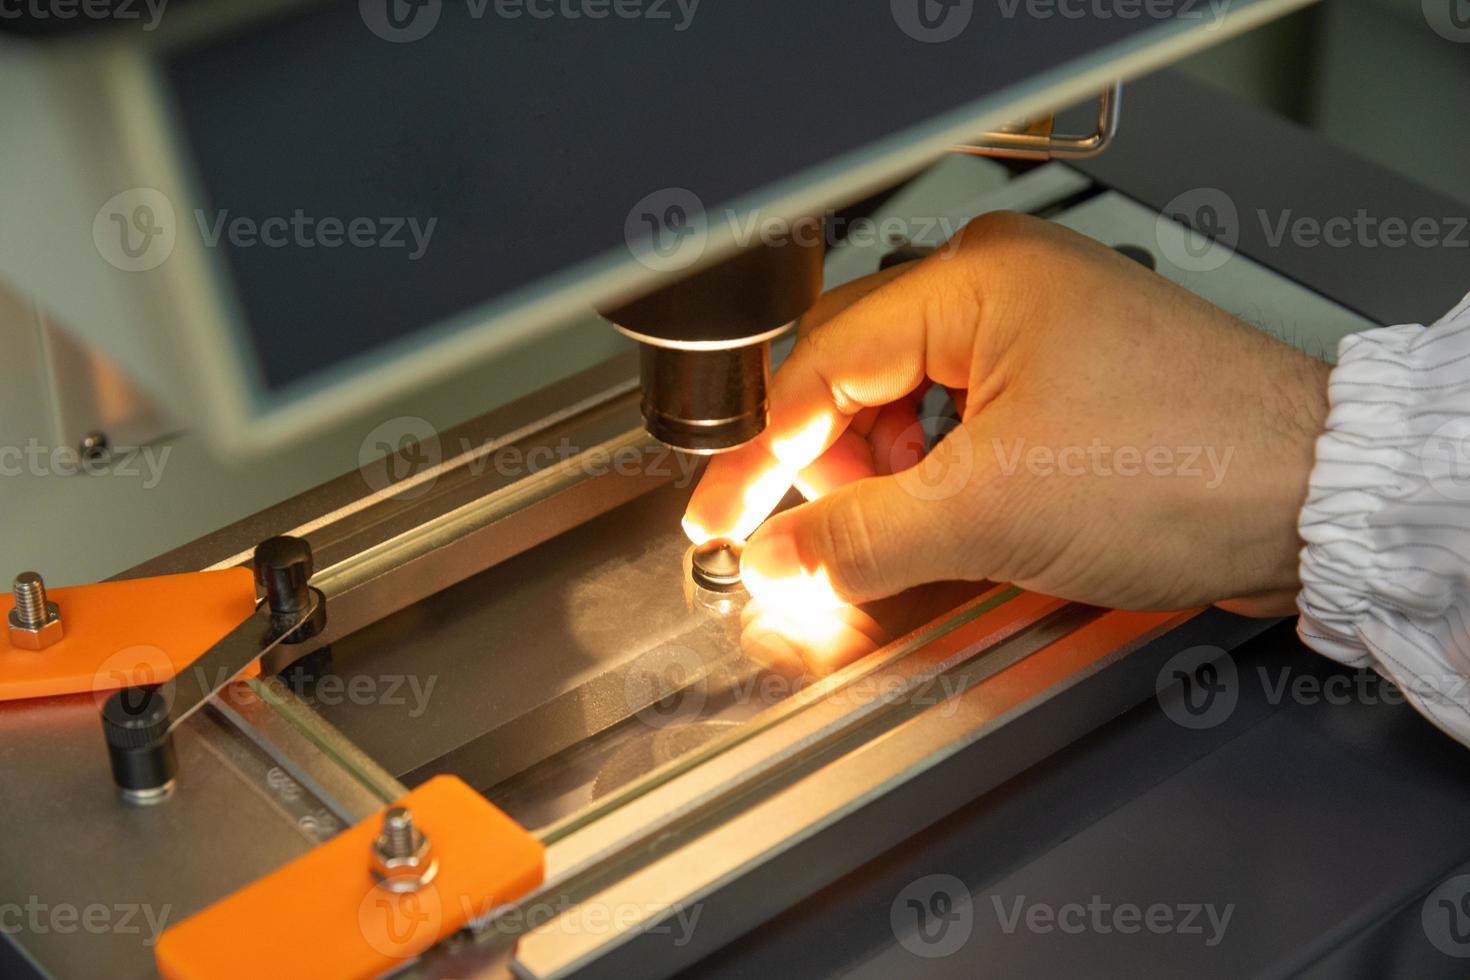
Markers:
94,445
403,858
35,623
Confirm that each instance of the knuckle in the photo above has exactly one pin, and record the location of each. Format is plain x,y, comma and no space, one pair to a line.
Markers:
995,228
990,509
845,531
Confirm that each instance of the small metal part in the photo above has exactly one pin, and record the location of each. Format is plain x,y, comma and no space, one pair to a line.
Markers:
148,797
715,565
1035,140
403,858
94,445
35,622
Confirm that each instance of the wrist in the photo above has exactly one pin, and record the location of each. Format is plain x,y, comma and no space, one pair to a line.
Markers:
1295,408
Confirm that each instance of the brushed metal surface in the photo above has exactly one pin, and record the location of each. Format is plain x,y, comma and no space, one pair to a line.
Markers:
102,876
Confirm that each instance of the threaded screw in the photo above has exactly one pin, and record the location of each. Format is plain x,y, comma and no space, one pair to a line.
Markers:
398,833
30,600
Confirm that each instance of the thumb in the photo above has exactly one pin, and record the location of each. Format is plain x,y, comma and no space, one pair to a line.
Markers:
866,540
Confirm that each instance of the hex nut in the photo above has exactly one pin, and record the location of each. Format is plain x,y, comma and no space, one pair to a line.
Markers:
24,637
404,874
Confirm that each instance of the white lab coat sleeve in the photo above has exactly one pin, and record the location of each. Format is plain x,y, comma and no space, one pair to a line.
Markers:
1386,567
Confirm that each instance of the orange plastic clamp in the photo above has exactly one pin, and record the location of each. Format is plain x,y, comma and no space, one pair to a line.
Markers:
119,634
324,917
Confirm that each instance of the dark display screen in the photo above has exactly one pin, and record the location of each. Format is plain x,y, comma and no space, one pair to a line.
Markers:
361,189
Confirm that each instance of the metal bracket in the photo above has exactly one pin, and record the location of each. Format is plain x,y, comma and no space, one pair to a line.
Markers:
1035,140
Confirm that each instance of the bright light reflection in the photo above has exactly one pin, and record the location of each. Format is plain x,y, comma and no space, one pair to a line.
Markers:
761,497
797,451
812,630
800,594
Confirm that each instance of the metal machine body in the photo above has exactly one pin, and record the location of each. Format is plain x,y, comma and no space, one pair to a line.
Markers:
513,612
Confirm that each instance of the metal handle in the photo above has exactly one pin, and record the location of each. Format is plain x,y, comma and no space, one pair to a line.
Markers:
1036,141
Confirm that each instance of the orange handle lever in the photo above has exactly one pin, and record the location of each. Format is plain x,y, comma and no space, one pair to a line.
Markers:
122,634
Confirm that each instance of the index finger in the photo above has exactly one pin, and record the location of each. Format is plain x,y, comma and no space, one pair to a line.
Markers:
919,324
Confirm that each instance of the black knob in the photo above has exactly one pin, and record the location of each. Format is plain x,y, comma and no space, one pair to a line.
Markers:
283,566
135,723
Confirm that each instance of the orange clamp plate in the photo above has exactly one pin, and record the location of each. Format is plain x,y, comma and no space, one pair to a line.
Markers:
119,634
323,916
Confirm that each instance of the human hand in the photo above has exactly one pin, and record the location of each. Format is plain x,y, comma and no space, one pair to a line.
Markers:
1123,442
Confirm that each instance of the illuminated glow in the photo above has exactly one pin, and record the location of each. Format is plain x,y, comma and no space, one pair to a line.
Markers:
813,632
804,611
824,640
802,594
808,489
797,451
788,457
760,498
